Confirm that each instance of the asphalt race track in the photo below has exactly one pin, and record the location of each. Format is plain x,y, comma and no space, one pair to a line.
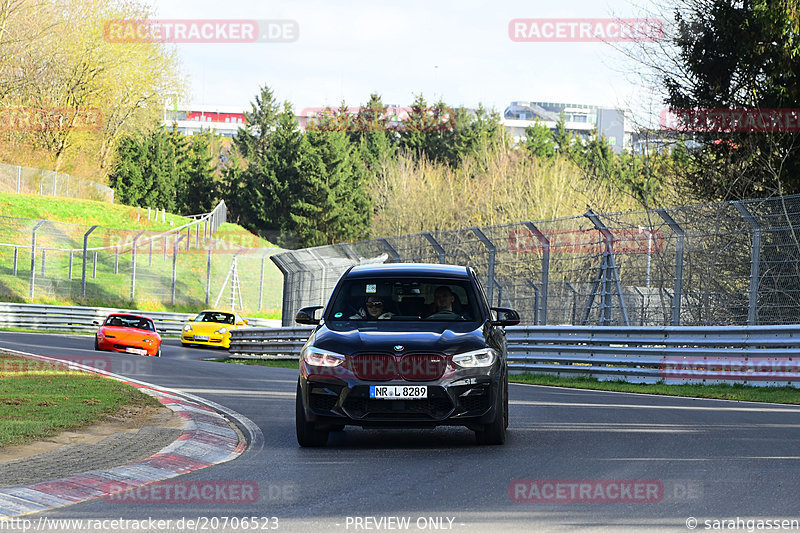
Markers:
593,461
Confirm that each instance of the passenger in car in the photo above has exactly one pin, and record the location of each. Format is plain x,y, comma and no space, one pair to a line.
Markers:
373,309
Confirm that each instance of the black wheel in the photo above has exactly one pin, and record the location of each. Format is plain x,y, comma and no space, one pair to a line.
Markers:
495,431
308,436
96,344
158,353
338,427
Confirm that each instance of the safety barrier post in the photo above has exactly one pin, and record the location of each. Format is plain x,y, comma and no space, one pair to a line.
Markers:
261,282
490,268
755,262
436,246
83,272
208,271
679,247
133,265
33,255
175,264
545,242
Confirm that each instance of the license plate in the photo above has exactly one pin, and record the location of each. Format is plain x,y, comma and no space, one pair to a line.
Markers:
201,337
137,351
398,392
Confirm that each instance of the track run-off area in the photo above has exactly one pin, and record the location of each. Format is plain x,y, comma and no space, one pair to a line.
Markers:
574,460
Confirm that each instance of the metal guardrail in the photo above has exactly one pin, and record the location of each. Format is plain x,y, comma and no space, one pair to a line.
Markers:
754,355
268,343
79,319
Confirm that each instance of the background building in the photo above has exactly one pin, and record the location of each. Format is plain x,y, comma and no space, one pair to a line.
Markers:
225,120
579,119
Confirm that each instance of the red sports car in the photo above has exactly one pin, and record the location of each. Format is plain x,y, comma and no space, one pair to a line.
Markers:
128,333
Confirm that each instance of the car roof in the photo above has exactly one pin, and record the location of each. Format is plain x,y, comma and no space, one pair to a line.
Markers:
408,269
129,315
217,311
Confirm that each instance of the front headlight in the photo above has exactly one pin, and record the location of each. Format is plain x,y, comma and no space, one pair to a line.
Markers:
187,327
479,358
316,357
222,331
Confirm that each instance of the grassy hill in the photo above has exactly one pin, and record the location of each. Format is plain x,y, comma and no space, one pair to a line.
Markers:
109,282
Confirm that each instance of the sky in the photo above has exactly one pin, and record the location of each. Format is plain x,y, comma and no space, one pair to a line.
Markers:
459,51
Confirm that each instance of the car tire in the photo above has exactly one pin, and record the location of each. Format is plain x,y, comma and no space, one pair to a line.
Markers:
96,345
158,353
505,398
338,427
308,436
494,433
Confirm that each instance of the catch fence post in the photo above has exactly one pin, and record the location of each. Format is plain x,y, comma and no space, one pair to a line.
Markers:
679,249
33,255
755,262
545,242
83,271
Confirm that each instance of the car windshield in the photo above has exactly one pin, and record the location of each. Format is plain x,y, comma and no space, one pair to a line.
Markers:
405,299
214,316
125,321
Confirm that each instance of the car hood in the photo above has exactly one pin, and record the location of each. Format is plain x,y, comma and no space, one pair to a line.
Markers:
127,332
432,338
209,327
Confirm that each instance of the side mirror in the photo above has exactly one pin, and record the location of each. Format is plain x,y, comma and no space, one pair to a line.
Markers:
307,315
505,317
246,322
95,323
191,320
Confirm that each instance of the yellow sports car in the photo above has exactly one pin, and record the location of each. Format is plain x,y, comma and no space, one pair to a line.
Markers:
211,328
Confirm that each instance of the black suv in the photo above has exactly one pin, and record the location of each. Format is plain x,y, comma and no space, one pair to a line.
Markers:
405,345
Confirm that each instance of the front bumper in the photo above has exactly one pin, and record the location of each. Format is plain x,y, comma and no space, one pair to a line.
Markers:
463,398
121,345
217,340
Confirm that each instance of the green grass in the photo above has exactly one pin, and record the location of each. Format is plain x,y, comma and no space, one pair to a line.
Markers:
38,399
86,212
737,392
744,393
109,278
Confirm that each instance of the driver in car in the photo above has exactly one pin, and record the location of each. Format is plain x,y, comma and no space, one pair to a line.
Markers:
444,305
443,299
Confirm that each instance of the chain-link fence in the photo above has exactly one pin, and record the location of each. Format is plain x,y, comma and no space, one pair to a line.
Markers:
718,264
185,267
24,180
